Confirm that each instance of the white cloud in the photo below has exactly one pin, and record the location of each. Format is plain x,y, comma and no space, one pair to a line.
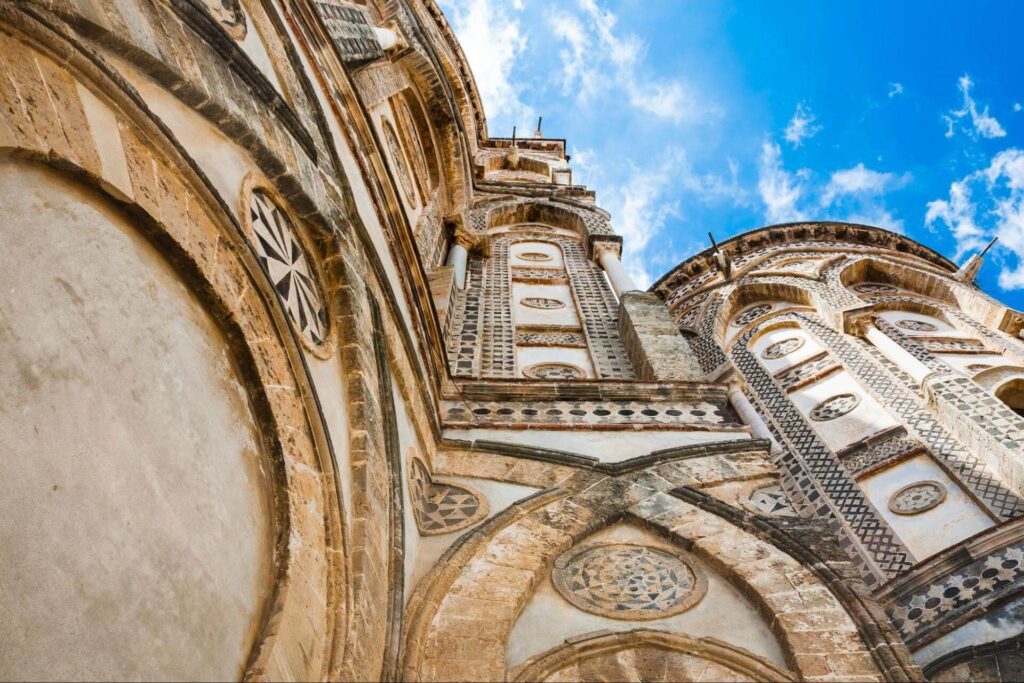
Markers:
780,190
984,204
982,124
600,61
491,37
895,89
854,195
861,181
1017,106
801,127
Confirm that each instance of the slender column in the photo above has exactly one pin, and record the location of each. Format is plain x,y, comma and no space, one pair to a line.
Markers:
617,275
891,349
750,417
457,256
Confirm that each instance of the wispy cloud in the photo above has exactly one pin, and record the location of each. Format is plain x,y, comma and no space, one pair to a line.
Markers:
895,89
976,123
780,190
801,127
492,38
984,204
598,60
856,194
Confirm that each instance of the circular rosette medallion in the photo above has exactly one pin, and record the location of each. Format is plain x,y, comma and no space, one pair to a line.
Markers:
625,581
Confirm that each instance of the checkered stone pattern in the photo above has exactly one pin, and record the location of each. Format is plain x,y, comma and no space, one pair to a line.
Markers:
709,354
498,355
465,316
991,414
798,375
867,456
527,337
600,312
942,602
582,413
837,496
894,389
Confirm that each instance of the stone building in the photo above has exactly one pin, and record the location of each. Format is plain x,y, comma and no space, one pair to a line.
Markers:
307,377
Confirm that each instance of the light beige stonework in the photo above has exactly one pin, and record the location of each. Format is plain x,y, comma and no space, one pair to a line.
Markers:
203,482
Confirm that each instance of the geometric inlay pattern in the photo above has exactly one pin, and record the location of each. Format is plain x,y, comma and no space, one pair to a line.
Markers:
285,263
770,500
625,581
439,507
782,348
834,407
978,367
751,314
918,497
553,371
916,325
873,288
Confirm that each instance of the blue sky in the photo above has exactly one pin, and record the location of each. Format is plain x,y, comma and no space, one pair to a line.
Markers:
696,116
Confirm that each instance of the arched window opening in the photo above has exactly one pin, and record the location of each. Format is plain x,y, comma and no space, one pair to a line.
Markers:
1012,394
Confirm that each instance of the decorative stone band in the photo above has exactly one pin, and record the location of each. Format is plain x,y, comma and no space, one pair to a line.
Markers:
957,585
878,450
541,302
952,345
589,414
539,275
811,370
550,336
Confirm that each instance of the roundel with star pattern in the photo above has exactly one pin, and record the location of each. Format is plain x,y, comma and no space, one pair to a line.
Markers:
286,264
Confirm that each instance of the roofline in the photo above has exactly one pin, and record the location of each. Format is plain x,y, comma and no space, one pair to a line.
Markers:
821,230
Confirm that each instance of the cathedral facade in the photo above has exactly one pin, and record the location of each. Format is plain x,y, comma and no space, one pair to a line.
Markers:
307,377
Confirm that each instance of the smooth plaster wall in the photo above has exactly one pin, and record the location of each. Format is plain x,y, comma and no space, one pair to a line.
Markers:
723,613
953,520
869,417
135,521
524,315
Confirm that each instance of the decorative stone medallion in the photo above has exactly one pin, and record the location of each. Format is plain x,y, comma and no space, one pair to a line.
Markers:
751,314
769,499
918,497
916,325
554,371
978,367
535,256
439,507
542,302
626,581
782,348
835,406
399,160
873,288
285,262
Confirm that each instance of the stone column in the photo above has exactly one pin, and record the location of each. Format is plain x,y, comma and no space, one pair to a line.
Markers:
892,350
457,257
750,417
617,275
